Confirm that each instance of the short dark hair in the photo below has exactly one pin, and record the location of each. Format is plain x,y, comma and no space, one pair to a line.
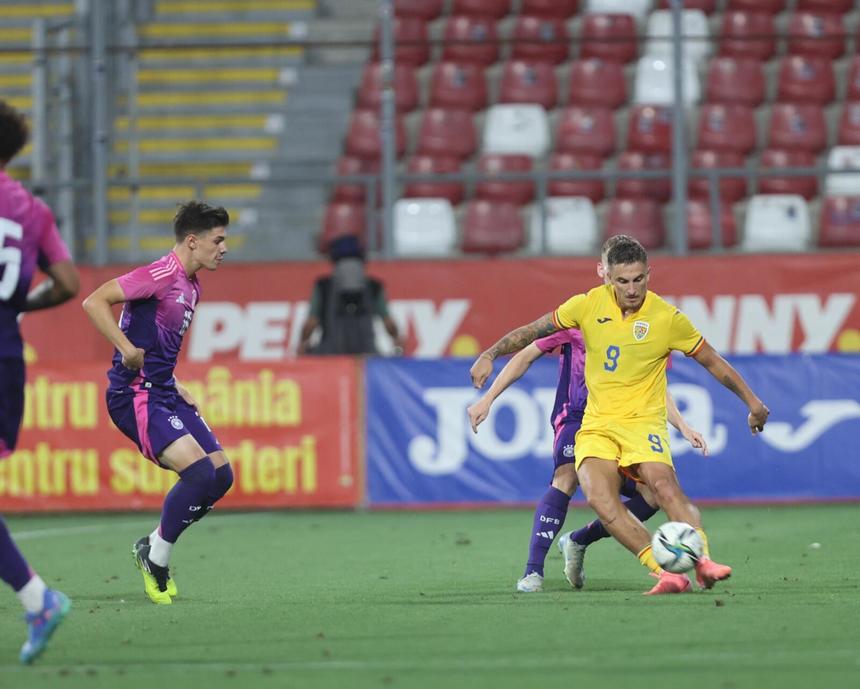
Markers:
14,132
196,217
611,242
624,250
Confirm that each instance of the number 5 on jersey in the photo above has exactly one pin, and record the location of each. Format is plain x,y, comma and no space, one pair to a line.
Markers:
612,354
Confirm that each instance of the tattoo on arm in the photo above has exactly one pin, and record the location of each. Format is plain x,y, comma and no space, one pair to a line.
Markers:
523,336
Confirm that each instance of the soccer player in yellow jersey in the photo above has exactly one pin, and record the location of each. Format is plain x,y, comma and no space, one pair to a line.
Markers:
629,332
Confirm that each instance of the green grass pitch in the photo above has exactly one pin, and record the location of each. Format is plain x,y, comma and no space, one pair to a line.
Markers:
353,600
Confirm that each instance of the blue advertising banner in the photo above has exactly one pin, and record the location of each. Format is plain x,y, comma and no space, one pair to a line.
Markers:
420,449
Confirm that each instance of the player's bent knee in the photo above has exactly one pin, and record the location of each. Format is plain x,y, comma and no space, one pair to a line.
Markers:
564,479
201,472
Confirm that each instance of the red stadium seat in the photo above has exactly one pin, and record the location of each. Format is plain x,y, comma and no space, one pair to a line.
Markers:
735,80
586,130
825,6
639,218
425,165
471,39
340,220
608,37
797,126
656,189
804,79
774,157
424,9
731,189
458,85
550,8
849,125
706,6
748,34
727,128
649,129
482,8
840,222
767,6
362,139
518,193
353,193
594,189
597,83
540,38
492,227
700,229
528,82
447,133
405,87
816,34
412,48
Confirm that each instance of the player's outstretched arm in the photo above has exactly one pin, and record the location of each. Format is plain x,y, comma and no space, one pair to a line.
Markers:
691,435
724,372
62,284
514,341
98,307
511,373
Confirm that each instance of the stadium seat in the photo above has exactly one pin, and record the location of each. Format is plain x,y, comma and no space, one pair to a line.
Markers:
804,79
341,219
840,222
516,128
639,218
482,8
540,38
405,87
700,226
694,25
748,34
492,227
550,8
806,32
735,80
706,6
727,128
593,189
776,222
353,193
447,133
659,190
825,6
797,126
807,187
597,83
649,129
849,125
528,82
608,37
362,139
471,39
458,85
518,193
731,189
571,227
843,158
425,165
424,9
410,34
639,9
655,82
586,130
424,227
766,6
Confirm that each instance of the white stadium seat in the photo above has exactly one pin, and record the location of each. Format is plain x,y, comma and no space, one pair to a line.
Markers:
571,226
655,82
694,24
638,8
777,222
424,227
513,129
841,158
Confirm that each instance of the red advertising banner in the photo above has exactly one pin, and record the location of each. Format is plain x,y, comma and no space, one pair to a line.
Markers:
743,304
290,430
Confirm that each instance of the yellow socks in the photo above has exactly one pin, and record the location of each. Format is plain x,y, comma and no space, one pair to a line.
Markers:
706,550
646,557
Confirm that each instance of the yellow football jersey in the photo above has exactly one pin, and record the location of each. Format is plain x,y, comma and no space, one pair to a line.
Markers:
625,358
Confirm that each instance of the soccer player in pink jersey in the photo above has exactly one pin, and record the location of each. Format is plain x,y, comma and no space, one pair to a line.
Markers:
143,397
28,239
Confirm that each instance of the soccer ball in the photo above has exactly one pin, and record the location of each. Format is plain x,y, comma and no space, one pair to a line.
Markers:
676,547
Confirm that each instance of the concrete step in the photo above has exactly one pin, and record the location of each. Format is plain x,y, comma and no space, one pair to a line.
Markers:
245,100
183,57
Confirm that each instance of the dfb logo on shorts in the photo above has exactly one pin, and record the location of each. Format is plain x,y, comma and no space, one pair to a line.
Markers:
176,422
567,451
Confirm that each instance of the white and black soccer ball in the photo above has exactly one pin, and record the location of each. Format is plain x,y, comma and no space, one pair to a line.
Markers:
677,547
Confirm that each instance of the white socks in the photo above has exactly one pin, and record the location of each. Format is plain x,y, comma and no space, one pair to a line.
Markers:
32,596
159,549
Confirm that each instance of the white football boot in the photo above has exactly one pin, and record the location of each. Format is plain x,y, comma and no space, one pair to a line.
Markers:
574,556
531,583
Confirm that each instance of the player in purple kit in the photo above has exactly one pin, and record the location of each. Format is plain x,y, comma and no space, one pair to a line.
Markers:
28,239
143,397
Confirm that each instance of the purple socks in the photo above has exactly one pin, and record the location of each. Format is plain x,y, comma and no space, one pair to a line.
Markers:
217,490
187,498
595,530
13,567
549,517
